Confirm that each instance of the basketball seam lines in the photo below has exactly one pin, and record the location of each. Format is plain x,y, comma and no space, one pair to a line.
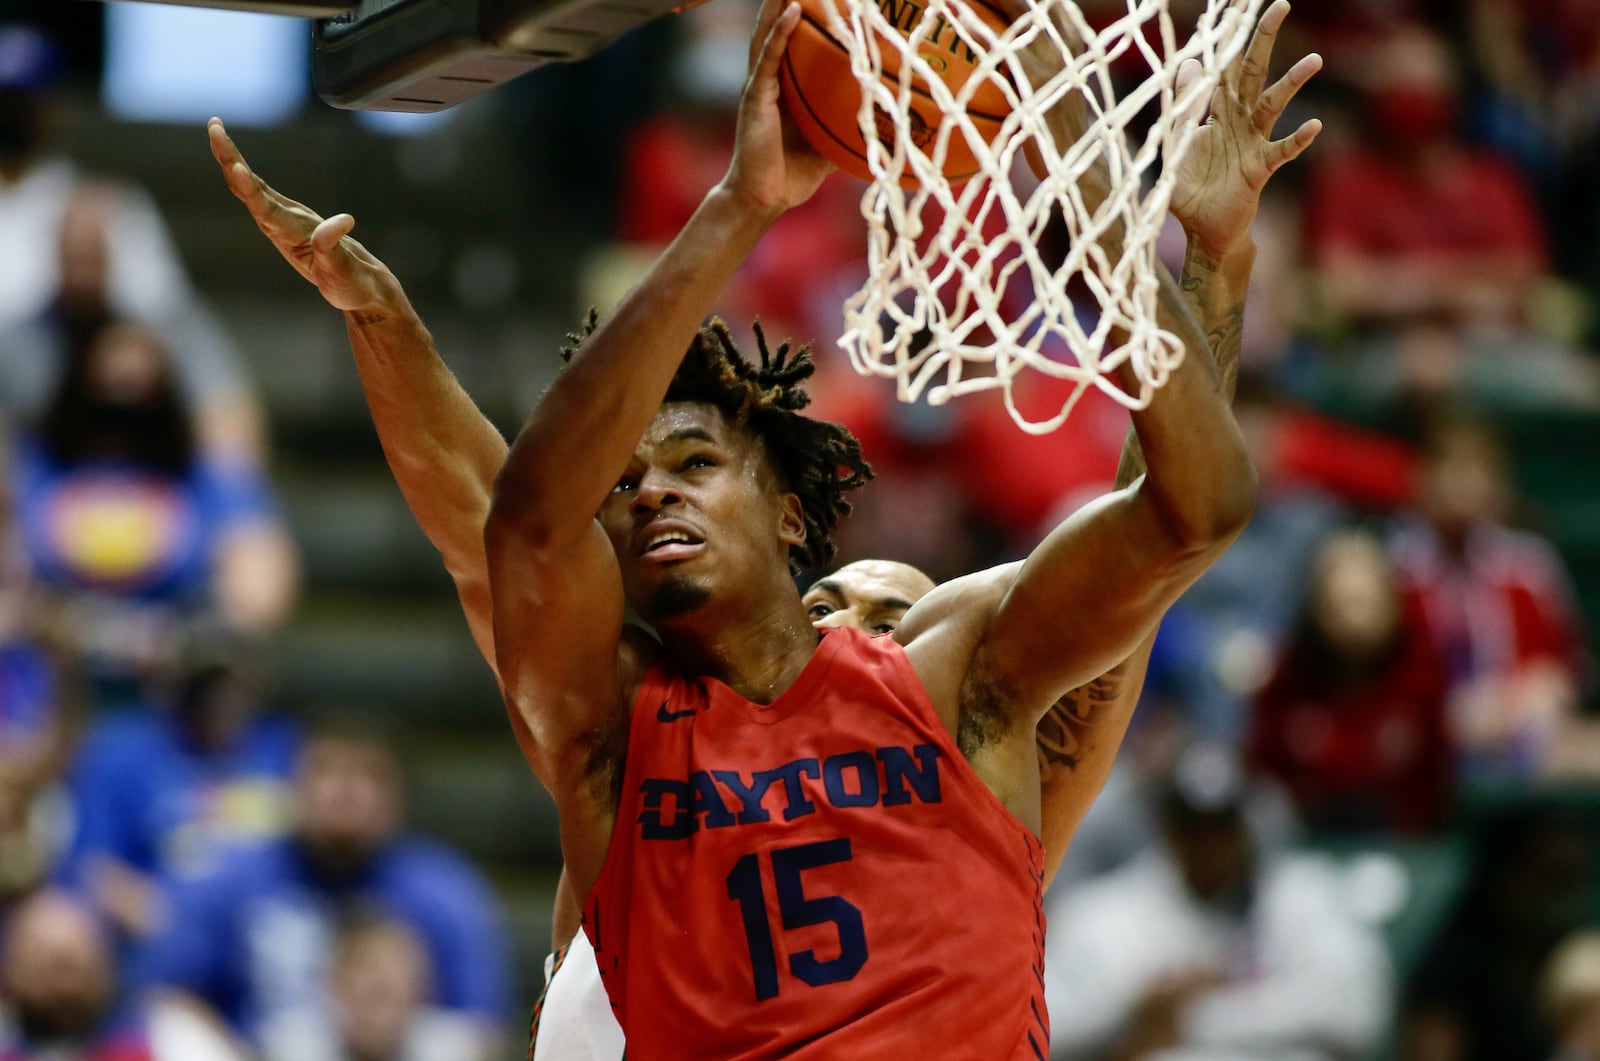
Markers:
924,93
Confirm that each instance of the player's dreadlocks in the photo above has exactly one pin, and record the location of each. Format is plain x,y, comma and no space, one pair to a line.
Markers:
817,460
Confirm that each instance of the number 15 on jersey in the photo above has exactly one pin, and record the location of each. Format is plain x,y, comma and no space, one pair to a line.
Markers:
746,887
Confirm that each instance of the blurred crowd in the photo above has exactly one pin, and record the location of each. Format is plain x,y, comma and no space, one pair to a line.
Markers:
186,873
1358,814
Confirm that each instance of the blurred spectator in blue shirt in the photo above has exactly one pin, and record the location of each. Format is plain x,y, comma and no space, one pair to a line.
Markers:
131,524
256,940
165,791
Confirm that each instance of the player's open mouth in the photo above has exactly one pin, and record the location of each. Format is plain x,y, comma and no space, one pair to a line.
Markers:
663,543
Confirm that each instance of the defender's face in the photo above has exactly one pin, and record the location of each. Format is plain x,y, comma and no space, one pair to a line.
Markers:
697,512
870,595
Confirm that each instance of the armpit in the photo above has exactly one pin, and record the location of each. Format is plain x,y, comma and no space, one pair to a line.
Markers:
985,712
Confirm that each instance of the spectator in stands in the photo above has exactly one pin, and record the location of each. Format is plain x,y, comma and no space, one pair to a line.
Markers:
255,940
1412,222
59,998
1474,996
1211,947
1540,63
77,245
1499,604
380,982
1570,993
165,791
1352,723
1220,639
124,517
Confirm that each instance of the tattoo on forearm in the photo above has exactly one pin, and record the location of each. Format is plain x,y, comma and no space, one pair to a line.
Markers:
365,320
1062,735
1223,325
1226,341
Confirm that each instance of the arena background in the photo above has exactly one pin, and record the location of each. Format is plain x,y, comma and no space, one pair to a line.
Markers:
1372,323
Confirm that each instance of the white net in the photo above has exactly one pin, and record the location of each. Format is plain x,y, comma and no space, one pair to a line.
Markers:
962,295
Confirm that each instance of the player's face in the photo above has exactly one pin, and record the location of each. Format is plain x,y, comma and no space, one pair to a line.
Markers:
870,595
696,512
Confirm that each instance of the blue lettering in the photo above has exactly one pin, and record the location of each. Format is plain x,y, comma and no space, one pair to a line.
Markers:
790,773
708,801
683,822
750,796
675,810
833,769
898,769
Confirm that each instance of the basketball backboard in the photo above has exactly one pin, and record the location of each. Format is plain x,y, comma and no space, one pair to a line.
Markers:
303,8
427,55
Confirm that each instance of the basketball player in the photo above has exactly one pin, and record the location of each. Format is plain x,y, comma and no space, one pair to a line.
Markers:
792,848
400,328
572,1019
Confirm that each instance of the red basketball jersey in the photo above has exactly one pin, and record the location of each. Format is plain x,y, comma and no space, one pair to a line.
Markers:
824,877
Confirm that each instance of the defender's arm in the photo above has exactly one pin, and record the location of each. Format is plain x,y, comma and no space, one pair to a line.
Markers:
1215,198
443,452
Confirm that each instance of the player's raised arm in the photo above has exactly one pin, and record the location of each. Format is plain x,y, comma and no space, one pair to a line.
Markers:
1216,196
443,452
557,593
1094,590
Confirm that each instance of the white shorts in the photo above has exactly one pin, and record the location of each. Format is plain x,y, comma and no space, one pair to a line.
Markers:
574,1021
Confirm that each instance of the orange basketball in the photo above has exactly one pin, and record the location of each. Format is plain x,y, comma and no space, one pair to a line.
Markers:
821,92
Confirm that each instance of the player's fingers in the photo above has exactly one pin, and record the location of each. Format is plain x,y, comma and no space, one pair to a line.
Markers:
1275,99
222,146
770,10
241,182
1258,56
1192,107
766,68
1281,152
326,236
266,205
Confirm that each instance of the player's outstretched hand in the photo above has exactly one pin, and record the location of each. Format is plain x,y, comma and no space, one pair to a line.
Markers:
773,165
320,249
1219,182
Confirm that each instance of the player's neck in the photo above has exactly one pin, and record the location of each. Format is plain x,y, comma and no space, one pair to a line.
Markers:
758,655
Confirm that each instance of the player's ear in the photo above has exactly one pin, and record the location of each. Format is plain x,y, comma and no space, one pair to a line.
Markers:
791,520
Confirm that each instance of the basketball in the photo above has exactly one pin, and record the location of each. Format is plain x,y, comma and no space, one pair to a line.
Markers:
822,93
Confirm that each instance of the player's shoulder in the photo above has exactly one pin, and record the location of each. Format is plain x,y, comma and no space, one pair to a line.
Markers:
968,601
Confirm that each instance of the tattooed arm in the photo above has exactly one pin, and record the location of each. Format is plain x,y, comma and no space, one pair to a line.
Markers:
1078,738
1216,196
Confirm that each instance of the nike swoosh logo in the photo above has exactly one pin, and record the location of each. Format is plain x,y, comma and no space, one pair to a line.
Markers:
663,715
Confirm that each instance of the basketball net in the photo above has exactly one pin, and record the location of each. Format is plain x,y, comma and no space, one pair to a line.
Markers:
959,297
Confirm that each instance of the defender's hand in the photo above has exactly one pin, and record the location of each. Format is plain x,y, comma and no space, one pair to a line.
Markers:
773,167
1219,182
320,249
